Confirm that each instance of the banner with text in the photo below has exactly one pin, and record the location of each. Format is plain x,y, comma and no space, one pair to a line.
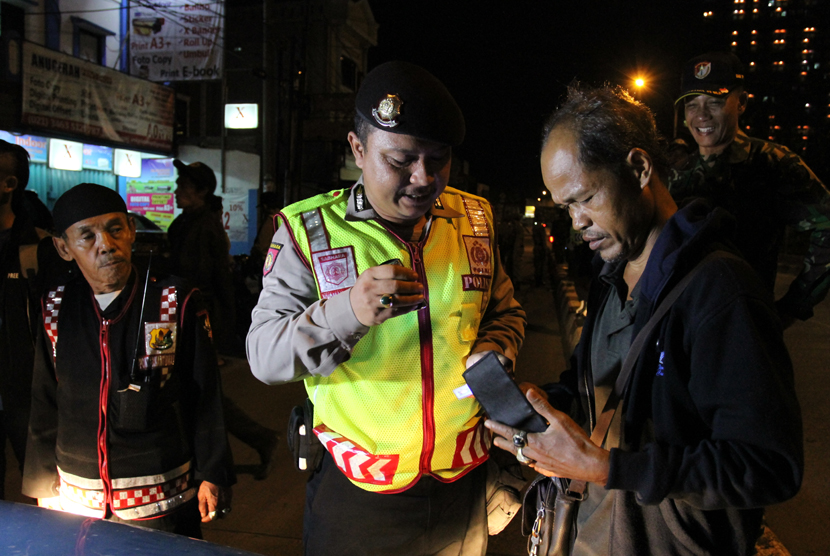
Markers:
63,93
176,40
153,193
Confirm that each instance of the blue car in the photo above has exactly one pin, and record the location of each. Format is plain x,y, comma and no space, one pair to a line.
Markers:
32,531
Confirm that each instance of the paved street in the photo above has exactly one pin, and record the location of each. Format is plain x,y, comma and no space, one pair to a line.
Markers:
802,523
267,515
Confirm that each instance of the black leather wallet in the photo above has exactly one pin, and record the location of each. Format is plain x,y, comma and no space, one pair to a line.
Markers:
500,396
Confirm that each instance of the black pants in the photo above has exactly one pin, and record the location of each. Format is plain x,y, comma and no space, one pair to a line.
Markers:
14,425
430,518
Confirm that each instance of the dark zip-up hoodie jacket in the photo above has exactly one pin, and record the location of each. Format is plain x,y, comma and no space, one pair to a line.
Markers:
712,427
103,410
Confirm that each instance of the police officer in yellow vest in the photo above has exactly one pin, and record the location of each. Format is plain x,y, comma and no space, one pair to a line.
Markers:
378,297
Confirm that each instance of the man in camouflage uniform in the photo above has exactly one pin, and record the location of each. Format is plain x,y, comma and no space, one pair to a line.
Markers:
764,185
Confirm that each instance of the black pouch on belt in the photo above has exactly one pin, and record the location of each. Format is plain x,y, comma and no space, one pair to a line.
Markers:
306,450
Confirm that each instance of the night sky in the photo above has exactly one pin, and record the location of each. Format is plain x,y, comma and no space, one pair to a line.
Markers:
507,64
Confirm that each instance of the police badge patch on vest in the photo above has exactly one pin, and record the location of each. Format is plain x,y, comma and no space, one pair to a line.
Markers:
271,258
480,258
335,270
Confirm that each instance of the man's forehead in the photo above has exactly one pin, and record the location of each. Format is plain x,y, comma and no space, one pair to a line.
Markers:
705,98
561,165
100,221
404,143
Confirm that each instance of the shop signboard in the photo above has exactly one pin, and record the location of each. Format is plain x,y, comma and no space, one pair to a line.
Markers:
66,94
37,147
152,193
176,40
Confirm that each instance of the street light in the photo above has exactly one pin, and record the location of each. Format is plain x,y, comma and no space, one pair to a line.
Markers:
640,82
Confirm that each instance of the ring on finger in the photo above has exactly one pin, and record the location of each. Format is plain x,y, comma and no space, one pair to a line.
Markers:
521,457
520,439
387,300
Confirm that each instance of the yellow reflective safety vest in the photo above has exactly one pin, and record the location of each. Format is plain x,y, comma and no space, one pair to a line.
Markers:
399,408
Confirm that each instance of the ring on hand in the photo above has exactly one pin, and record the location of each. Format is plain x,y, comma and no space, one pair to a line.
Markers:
521,457
520,439
387,300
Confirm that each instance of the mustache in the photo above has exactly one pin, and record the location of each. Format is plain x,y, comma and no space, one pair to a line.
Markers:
111,260
417,191
593,237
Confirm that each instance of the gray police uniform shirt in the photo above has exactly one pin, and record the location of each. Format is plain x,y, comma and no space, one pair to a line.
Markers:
295,334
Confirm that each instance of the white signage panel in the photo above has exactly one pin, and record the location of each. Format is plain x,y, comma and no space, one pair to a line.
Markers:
127,163
241,116
66,155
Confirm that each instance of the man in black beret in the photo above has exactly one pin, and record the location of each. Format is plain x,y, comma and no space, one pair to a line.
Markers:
135,429
766,186
378,297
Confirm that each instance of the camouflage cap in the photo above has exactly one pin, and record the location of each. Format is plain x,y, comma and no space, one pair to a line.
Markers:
715,74
403,98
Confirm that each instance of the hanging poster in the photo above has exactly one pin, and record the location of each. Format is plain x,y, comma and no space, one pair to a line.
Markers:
235,208
152,193
176,40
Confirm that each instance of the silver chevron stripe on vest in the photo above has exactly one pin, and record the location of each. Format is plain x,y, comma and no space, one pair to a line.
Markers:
317,239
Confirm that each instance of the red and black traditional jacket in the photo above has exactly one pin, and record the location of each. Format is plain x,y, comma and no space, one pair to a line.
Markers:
126,406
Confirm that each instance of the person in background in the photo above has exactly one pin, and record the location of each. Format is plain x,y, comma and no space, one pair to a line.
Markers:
199,248
19,305
201,254
766,186
269,202
511,244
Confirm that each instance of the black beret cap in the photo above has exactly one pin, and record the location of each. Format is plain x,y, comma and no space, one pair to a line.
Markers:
400,97
85,200
715,74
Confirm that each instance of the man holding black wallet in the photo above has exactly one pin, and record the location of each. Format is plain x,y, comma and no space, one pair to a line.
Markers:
678,421
379,297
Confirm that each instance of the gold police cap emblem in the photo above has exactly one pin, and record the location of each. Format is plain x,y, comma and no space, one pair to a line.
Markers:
388,110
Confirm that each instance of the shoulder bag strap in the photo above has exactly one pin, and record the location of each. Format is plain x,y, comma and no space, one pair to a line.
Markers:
577,488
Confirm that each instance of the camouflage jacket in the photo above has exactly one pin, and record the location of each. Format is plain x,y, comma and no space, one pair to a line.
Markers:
767,187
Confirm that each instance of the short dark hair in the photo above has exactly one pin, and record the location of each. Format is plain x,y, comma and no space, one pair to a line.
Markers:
608,122
362,129
21,170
